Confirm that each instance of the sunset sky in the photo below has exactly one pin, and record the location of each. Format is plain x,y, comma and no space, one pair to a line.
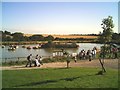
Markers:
57,17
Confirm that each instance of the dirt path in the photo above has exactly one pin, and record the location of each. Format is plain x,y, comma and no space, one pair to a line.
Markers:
110,63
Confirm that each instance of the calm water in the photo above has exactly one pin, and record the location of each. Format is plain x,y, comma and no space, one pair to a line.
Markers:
23,52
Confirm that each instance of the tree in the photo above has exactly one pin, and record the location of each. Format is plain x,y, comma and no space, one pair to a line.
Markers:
107,25
7,33
5,36
18,36
116,38
36,38
50,37
105,37
50,44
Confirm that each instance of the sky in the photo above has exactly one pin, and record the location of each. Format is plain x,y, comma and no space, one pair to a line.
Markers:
57,17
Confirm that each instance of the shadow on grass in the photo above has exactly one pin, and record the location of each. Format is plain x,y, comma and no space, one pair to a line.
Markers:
53,81
38,83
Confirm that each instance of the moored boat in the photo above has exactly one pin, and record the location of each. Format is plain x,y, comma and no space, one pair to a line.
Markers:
35,47
11,48
39,47
23,46
28,47
16,46
3,46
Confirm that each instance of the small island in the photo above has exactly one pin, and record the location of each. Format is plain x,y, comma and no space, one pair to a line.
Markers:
51,44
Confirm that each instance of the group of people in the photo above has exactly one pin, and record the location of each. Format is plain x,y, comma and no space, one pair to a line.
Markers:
37,61
89,54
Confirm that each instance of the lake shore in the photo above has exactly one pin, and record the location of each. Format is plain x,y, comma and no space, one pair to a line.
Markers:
109,63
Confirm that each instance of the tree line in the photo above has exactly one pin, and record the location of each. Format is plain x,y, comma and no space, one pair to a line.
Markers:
18,36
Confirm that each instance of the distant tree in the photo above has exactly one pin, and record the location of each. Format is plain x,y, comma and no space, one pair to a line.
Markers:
36,38
26,38
18,36
49,44
50,37
8,38
1,32
5,35
7,32
116,38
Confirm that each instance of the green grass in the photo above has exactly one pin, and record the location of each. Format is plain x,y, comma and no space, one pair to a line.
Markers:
60,78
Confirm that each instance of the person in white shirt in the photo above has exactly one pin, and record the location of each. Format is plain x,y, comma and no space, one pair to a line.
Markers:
37,63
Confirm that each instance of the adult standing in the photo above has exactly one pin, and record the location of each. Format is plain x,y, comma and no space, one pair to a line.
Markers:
94,53
36,61
75,59
68,60
29,58
40,60
115,50
89,55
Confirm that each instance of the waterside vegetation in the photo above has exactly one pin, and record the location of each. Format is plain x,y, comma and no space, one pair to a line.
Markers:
19,38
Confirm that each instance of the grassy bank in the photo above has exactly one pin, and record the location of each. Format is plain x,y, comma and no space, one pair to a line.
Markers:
41,42
59,78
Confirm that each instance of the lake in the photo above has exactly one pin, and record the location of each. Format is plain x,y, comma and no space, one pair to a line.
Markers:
23,52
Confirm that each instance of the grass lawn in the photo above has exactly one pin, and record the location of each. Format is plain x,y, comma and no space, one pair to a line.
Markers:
60,78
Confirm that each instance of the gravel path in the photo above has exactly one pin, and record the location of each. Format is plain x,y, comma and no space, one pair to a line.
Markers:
109,63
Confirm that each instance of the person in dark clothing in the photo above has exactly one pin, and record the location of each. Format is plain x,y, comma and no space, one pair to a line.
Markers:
115,50
29,58
89,55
